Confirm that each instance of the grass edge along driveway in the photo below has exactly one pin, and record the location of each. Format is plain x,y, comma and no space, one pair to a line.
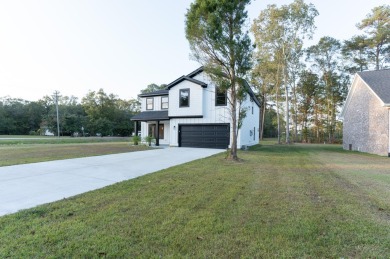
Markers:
32,153
282,201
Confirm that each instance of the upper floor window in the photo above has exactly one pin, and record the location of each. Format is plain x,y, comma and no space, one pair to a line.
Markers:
184,98
164,102
149,103
220,97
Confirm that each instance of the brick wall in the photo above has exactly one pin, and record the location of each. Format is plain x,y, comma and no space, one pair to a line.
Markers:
366,122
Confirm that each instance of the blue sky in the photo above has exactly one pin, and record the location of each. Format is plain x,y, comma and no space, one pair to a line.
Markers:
74,46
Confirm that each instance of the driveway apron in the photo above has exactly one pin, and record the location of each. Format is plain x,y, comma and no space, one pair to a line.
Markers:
26,186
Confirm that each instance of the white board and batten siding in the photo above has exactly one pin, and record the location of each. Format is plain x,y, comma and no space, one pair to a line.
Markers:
145,125
211,113
195,103
156,103
248,135
202,110
202,103
249,132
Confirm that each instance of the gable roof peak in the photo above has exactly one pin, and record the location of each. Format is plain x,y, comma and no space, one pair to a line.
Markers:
195,72
182,78
379,82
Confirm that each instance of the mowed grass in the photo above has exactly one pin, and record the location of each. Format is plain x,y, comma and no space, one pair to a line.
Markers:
27,152
27,139
309,201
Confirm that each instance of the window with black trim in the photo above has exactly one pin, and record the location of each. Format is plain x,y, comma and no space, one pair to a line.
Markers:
184,98
220,97
164,102
149,103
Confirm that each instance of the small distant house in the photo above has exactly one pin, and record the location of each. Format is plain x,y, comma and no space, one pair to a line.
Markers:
366,113
193,112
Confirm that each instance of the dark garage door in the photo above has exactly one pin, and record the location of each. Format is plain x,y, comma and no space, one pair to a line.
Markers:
204,135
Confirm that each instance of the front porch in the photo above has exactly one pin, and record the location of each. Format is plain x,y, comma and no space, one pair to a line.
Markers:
155,124
159,130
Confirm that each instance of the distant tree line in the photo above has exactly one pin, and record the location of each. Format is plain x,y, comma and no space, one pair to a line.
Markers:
302,90
97,113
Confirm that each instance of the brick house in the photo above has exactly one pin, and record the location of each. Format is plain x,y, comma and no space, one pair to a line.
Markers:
366,113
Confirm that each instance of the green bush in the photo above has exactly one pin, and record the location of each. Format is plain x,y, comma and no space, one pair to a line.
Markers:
136,139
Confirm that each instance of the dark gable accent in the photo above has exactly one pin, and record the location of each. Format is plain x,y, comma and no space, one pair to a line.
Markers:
195,72
151,116
182,78
251,93
247,86
190,78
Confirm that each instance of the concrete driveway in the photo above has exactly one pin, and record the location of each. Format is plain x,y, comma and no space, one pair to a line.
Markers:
26,186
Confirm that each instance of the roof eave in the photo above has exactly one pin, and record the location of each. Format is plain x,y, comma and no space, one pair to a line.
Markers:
347,101
155,93
147,95
195,72
183,78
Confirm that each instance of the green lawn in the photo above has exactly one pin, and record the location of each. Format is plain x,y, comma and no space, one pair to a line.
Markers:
26,139
20,150
308,201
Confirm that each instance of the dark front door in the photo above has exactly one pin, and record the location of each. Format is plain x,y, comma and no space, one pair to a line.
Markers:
153,132
204,135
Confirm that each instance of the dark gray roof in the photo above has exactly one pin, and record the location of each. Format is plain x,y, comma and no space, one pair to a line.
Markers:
379,82
246,84
155,93
190,78
251,93
195,72
182,78
151,116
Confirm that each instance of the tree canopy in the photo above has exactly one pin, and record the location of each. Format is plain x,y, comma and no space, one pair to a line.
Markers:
370,50
218,40
98,112
279,33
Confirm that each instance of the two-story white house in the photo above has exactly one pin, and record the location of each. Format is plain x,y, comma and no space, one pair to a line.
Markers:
193,112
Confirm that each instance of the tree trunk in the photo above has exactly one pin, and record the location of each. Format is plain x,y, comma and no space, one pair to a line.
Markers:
233,94
295,108
262,117
278,116
377,58
262,122
316,122
287,108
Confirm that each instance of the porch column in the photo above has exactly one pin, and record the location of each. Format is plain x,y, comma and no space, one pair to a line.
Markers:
135,128
158,134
